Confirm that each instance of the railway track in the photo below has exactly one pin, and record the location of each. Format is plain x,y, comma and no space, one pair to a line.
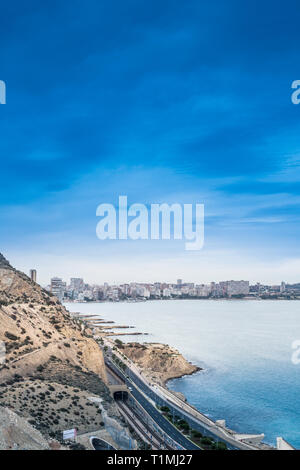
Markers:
139,423
141,426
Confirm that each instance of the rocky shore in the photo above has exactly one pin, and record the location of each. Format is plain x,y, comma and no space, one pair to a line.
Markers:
158,362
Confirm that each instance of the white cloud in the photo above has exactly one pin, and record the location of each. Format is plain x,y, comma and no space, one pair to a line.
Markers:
196,267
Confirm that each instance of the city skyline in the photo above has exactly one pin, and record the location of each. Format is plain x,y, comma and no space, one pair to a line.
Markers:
145,270
182,282
79,291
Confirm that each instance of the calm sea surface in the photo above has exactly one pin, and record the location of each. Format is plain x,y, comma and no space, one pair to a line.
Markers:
244,348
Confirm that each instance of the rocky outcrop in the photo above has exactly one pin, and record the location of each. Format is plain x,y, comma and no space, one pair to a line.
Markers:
158,362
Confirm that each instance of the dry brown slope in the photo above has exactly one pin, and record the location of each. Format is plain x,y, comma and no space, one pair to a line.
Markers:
50,358
35,326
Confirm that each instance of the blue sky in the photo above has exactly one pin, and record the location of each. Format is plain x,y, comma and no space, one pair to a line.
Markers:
170,101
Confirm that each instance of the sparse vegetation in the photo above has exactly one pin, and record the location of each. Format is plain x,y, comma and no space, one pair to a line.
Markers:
38,381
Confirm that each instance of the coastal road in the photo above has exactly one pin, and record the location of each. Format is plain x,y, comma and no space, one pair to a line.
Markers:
137,420
162,422
207,430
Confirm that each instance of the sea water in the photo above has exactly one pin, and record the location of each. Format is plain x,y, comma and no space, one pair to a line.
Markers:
244,348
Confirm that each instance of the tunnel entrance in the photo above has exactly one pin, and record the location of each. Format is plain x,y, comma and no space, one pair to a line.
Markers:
100,444
119,392
120,395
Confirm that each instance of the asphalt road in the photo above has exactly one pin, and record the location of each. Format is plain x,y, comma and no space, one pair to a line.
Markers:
195,424
162,422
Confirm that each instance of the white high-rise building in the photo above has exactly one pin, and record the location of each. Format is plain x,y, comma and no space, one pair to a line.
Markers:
237,288
282,286
58,287
77,284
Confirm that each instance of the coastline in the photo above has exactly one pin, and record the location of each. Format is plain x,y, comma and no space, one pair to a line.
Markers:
198,369
161,334
188,367
180,400
213,299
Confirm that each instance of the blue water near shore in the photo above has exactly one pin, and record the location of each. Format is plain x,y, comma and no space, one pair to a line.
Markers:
244,348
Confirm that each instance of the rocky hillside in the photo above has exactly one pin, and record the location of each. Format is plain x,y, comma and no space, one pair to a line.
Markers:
52,363
35,326
17,434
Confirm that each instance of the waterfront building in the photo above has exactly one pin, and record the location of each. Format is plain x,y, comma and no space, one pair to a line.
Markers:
58,287
202,290
282,287
237,288
166,292
233,288
76,284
